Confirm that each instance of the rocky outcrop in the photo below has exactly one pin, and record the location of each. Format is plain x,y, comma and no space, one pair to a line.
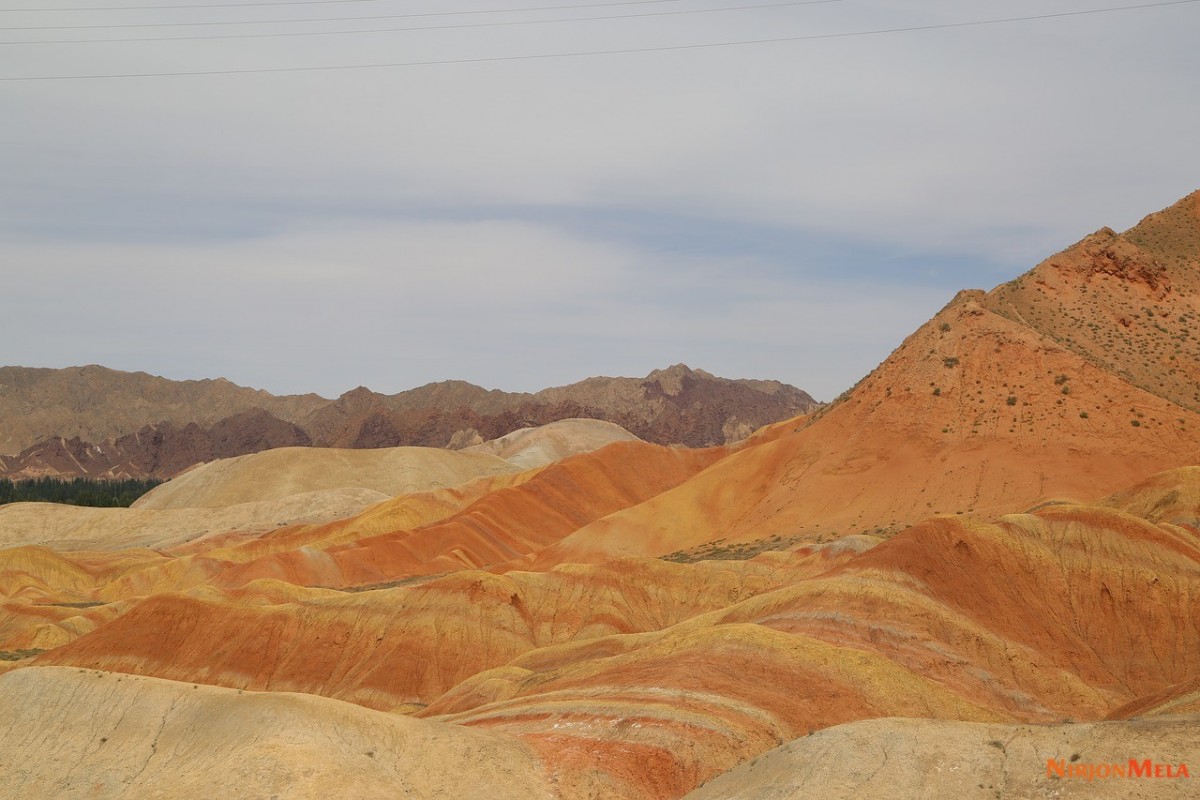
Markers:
160,450
673,406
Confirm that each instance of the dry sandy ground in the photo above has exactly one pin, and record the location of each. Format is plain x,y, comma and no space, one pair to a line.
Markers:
72,733
911,759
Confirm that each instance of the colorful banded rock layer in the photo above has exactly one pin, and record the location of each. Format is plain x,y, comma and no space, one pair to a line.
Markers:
996,531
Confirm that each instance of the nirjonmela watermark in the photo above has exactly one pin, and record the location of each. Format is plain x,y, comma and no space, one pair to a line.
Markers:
1133,768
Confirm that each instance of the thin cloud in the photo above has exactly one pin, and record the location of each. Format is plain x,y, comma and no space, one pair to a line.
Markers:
496,222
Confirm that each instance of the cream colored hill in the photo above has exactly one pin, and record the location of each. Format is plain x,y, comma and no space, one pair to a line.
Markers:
910,759
69,733
285,471
65,527
536,447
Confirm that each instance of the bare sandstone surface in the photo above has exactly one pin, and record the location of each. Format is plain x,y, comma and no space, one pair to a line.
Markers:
917,759
75,734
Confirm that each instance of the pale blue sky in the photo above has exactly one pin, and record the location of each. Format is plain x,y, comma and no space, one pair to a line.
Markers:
787,210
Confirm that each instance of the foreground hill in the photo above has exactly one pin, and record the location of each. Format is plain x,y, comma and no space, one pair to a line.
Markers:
643,679
912,759
115,736
91,421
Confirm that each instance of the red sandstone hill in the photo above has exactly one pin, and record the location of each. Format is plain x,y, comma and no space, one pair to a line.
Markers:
981,410
89,421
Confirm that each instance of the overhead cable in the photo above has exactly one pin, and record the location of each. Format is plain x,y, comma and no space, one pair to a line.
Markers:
454,26
611,52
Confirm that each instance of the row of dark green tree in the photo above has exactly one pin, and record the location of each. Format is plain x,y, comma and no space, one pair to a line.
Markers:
76,491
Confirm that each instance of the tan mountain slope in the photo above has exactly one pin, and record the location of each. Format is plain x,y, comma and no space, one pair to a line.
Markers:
100,422
67,733
236,533
285,471
677,405
83,528
917,759
484,525
193,545
535,447
403,512
96,403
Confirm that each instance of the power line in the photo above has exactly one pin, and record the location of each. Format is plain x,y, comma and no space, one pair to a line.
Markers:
192,5
334,19
614,52
499,24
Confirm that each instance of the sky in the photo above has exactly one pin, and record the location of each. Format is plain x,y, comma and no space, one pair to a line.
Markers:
312,196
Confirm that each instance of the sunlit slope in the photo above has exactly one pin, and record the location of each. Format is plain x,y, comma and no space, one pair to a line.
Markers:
1002,400
1072,611
67,734
504,518
912,759
1127,302
643,678
535,447
973,413
286,471
401,648
66,527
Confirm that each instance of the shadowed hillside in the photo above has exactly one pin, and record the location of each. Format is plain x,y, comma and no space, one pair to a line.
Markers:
97,422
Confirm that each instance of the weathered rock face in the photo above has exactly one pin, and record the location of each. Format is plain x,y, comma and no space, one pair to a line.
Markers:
1125,302
95,403
674,406
160,450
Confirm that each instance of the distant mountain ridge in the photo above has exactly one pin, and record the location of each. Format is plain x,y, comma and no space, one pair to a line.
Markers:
105,423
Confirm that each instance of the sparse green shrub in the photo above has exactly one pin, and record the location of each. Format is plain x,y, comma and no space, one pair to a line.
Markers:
76,491
1012,400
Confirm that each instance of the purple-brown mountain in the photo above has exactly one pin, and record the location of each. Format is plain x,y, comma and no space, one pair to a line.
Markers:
105,423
